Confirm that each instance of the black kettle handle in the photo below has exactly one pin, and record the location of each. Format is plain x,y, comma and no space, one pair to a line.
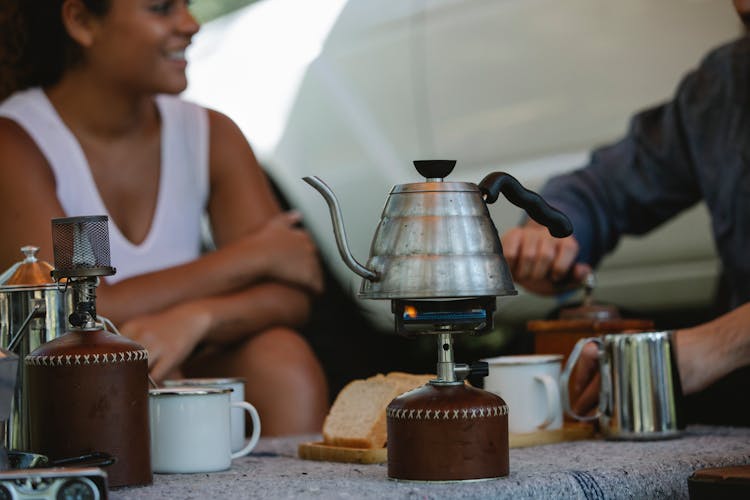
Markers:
499,182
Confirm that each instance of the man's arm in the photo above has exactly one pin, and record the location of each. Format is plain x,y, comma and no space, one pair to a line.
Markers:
705,354
708,352
631,186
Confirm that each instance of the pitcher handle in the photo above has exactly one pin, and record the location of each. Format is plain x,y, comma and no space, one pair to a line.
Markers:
565,377
19,334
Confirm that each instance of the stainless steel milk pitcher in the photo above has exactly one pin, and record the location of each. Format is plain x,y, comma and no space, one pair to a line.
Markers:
640,387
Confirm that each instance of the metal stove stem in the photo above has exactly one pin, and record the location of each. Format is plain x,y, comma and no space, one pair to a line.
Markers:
450,372
446,368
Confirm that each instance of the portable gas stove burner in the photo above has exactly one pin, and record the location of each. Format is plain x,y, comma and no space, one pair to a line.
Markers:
472,315
447,430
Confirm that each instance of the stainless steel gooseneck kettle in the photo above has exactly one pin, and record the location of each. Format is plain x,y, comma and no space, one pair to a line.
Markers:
436,239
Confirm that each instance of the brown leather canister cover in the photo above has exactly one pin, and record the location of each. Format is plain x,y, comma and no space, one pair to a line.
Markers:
447,433
89,392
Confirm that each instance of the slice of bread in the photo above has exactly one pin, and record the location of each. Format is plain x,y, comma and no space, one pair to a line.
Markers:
407,381
357,418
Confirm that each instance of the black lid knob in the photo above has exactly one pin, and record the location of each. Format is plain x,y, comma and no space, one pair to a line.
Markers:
434,169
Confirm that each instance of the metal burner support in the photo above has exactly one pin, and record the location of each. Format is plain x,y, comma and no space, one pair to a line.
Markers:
450,372
446,368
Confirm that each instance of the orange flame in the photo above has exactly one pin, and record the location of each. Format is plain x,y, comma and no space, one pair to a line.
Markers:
410,312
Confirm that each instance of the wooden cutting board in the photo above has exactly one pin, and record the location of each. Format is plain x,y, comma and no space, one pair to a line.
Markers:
327,453
569,432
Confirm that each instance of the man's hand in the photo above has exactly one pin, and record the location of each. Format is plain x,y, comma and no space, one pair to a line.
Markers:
585,381
540,262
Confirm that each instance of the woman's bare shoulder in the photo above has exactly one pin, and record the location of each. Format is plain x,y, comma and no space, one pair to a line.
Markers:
20,155
11,133
27,194
230,153
241,200
223,129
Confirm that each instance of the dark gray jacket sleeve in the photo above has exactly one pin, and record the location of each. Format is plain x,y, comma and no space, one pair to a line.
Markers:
636,184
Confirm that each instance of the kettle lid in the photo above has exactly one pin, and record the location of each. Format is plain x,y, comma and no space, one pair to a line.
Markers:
434,172
28,272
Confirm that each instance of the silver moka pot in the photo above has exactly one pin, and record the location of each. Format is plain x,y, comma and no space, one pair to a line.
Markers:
32,311
436,239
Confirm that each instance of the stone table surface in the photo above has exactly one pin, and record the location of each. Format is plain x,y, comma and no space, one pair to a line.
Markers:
590,469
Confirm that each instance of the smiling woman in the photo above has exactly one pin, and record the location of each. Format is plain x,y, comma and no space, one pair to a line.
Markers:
90,115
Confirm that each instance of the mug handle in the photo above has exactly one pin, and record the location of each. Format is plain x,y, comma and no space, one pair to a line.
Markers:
255,418
553,398
565,377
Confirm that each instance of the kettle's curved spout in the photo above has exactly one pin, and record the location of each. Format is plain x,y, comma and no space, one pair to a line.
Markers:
338,229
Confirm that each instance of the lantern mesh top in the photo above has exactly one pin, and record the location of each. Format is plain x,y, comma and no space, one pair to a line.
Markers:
81,247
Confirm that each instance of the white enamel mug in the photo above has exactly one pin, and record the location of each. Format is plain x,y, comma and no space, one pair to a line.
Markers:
530,385
191,429
238,394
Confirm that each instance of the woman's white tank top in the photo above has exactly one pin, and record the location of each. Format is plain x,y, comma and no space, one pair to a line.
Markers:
174,236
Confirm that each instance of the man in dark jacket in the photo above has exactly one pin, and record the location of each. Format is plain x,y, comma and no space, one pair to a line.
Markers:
693,148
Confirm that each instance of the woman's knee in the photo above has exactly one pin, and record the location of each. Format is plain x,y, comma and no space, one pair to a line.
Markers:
282,352
277,343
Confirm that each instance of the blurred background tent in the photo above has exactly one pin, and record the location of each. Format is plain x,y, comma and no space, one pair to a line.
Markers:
353,91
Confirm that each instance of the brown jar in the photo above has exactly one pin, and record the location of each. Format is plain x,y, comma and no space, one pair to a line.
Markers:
90,394
447,433
591,318
559,336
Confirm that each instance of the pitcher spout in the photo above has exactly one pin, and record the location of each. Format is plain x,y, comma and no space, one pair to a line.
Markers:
338,229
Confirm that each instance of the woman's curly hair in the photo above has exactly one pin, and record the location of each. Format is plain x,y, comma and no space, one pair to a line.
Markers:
12,34
35,48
